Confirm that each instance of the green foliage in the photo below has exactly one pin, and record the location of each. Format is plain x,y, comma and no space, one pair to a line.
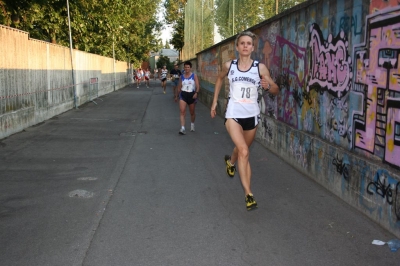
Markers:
234,16
175,16
178,34
174,10
164,61
286,4
95,25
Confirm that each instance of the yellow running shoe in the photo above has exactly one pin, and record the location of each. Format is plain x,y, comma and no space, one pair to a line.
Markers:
230,169
251,203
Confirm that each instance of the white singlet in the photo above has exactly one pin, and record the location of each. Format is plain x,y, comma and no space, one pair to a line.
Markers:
188,84
164,73
243,91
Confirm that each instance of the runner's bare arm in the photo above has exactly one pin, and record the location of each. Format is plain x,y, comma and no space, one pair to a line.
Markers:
197,85
217,87
266,80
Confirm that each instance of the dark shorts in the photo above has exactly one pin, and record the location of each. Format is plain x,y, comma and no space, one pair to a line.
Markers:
248,123
164,79
187,97
176,81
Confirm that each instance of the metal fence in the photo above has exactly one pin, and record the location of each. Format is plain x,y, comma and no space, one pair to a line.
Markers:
207,22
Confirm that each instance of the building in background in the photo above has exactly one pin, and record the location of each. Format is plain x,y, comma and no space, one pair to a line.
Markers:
172,54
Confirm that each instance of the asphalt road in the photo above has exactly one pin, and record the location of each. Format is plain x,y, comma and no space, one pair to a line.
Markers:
115,184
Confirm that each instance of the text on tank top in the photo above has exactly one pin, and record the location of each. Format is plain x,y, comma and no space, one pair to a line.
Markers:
188,84
243,91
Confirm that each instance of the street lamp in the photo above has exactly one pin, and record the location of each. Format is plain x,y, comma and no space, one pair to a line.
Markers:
70,51
114,56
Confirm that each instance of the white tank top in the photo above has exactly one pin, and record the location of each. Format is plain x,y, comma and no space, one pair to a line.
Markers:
164,73
188,84
243,91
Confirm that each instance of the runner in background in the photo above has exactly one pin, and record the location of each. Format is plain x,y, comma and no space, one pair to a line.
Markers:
175,75
188,90
147,78
139,77
133,76
163,78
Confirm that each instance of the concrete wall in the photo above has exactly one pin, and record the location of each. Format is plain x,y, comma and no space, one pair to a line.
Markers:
337,116
36,79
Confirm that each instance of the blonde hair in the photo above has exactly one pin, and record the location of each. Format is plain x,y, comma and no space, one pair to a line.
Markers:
245,33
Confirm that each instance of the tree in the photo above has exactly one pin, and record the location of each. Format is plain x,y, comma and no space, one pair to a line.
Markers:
178,34
164,61
95,25
175,15
234,16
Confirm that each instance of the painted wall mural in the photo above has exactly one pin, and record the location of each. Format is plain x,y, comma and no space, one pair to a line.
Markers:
377,5
376,124
330,64
337,116
264,52
325,90
208,65
385,188
339,77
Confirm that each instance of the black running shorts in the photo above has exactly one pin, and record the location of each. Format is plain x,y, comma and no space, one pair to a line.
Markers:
187,97
248,123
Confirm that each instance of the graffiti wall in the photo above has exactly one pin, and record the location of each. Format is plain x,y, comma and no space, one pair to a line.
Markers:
376,121
337,116
208,65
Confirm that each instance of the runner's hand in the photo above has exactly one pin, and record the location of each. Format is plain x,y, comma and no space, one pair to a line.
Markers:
213,110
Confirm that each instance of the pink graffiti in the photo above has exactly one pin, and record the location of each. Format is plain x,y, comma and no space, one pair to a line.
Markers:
330,64
298,52
376,124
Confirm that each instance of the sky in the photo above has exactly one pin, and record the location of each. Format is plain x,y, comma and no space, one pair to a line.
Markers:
165,33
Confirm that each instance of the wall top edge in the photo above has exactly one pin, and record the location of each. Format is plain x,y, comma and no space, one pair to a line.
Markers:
48,43
13,29
27,33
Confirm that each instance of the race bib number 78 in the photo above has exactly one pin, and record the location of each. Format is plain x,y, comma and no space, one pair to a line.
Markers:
244,93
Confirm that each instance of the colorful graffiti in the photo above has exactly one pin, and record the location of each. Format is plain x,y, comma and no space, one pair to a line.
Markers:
264,54
288,70
377,5
295,63
341,167
376,127
380,193
299,149
208,68
381,186
330,64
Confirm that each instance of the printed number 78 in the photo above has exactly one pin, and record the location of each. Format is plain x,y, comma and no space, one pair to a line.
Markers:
247,91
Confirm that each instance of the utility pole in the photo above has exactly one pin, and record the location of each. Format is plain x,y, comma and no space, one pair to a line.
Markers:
233,18
113,59
114,55
70,51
